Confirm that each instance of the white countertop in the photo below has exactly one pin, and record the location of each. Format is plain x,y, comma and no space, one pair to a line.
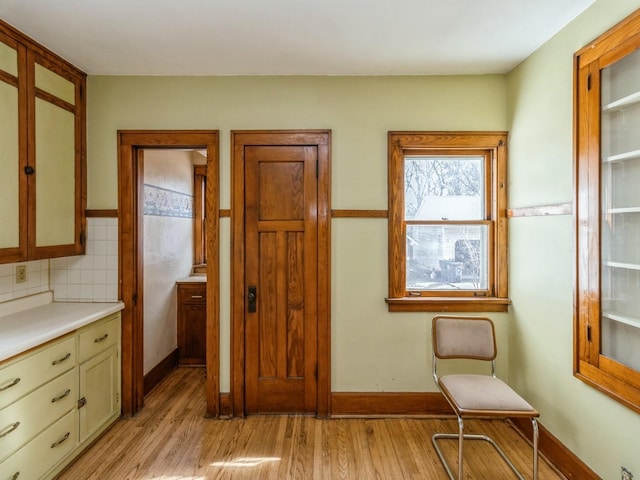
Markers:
29,328
193,279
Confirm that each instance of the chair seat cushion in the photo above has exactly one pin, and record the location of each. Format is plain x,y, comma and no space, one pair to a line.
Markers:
484,395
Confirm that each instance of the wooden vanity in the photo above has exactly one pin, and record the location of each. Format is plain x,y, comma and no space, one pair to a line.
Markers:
192,320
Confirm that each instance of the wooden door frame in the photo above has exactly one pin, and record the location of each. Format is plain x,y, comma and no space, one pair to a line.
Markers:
130,257
322,140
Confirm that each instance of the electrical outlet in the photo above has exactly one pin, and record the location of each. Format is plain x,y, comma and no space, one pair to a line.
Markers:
625,474
21,273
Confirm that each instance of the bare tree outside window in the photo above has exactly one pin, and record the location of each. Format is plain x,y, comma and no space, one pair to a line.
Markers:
442,193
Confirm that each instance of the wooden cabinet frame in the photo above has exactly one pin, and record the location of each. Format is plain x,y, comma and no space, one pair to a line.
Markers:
607,375
31,53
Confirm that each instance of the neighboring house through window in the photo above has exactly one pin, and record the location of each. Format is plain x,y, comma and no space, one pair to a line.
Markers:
447,221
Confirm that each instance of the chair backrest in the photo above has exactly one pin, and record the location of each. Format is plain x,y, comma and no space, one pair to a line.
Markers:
463,337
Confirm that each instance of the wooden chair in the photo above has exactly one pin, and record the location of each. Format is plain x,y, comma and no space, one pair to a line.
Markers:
474,395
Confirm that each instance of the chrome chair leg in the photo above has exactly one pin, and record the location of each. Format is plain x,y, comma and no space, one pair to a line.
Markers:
534,422
460,445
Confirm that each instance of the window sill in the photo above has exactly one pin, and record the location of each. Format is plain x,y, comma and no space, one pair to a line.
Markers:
448,304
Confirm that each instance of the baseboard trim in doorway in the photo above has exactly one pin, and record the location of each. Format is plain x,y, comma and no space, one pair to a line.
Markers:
160,371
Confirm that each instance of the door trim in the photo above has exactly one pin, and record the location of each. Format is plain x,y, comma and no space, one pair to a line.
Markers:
322,140
130,142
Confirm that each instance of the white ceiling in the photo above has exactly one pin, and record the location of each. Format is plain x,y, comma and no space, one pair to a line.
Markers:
292,37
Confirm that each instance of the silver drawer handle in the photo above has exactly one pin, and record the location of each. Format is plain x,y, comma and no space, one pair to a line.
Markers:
11,429
15,476
61,396
196,296
101,339
12,384
60,360
62,440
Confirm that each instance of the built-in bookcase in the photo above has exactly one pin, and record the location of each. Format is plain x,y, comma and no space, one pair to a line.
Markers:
607,122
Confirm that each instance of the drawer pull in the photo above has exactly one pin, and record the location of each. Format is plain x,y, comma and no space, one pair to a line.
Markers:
12,384
15,476
101,339
10,429
62,440
61,396
197,296
60,360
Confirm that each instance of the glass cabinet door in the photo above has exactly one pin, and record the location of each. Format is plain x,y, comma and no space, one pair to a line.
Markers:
620,211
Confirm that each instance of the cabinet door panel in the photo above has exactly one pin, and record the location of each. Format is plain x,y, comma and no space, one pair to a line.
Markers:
54,84
13,244
55,175
99,385
9,166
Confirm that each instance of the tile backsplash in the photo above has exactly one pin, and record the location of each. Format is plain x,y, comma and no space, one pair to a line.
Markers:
85,278
37,279
92,277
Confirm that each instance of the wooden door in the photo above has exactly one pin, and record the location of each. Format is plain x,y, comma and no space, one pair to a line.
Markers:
281,230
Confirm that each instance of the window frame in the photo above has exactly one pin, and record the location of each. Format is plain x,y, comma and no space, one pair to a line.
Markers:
199,215
492,145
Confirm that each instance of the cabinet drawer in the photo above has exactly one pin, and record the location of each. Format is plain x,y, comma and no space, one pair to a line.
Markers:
192,293
97,337
22,420
32,370
38,456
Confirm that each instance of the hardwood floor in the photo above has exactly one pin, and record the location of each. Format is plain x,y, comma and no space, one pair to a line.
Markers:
171,440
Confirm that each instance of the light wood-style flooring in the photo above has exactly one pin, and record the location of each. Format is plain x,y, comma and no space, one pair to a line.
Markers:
171,440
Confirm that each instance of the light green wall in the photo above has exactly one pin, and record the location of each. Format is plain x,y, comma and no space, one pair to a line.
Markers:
372,350
600,431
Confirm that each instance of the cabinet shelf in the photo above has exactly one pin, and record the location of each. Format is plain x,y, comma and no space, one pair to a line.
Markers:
623,210
625,319
622,157
621,103
627,266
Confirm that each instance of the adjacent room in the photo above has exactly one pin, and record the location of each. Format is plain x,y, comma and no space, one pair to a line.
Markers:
227,228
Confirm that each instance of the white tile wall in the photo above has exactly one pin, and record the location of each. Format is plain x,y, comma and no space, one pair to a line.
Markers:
92,277
37,280
87,278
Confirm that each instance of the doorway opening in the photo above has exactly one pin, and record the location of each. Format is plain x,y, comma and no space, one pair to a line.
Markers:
131,147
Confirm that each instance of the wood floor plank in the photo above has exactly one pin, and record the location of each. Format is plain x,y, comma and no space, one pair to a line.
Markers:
170,439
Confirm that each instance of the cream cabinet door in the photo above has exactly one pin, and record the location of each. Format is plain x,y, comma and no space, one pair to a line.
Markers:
12,154
56,162
99,391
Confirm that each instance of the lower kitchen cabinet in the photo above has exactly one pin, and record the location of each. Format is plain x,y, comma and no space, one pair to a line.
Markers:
192,323
57,398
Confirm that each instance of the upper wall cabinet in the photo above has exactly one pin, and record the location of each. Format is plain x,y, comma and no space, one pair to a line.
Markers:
42,152
607,333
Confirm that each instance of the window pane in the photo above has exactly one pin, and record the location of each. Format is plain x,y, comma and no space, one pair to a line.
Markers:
444,188
447,257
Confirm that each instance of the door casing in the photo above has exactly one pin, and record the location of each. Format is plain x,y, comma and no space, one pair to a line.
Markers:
322,140
130,214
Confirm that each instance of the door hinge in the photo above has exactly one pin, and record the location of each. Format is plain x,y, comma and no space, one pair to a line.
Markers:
315,371
134,298
317,167
588,333
82,402
588,82
117,397
82,238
